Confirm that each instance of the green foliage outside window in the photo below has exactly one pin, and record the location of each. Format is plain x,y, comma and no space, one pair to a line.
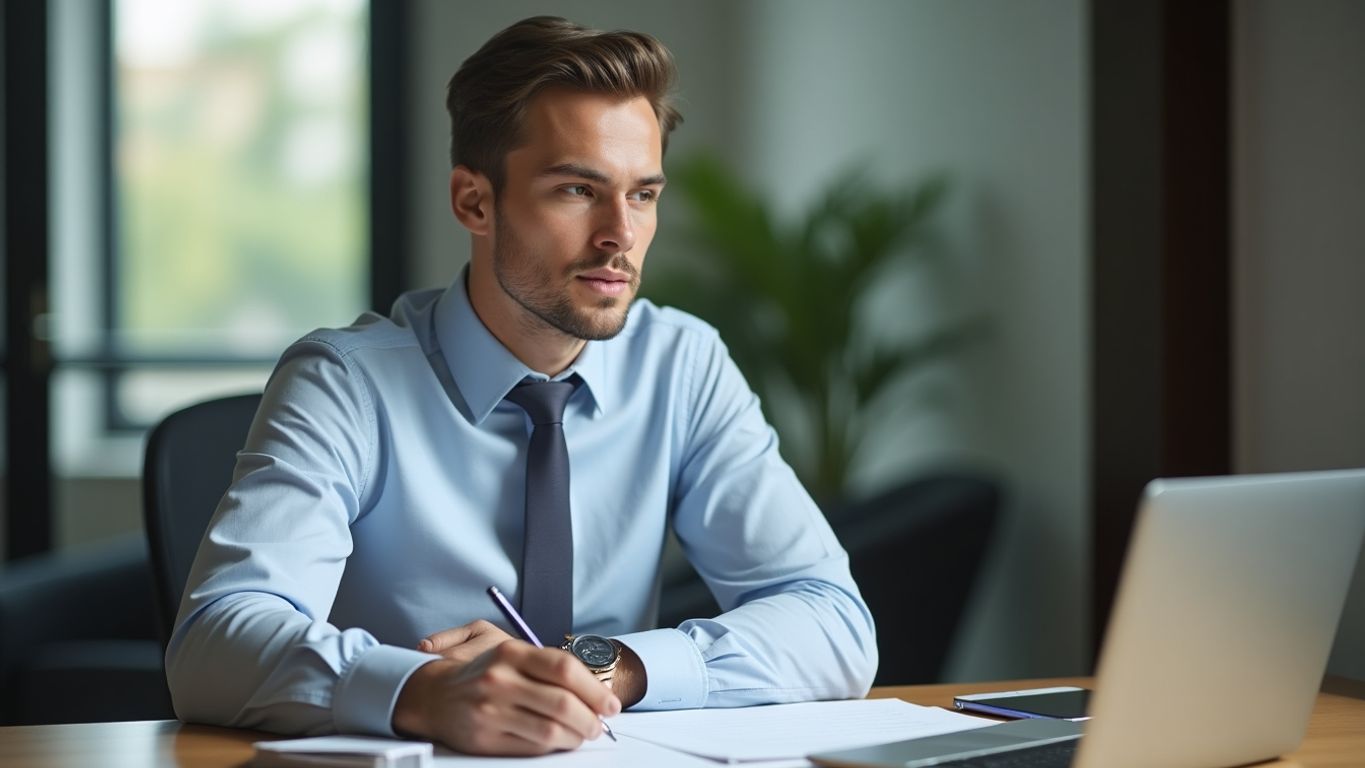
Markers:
241,150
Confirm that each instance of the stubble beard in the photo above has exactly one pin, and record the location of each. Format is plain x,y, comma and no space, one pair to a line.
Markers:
546,295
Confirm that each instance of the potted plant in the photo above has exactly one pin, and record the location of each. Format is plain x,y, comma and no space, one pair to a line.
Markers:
786,296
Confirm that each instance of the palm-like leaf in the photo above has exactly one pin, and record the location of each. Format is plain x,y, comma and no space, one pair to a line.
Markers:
785,297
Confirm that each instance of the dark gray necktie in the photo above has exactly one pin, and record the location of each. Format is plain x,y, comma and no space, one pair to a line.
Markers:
547,555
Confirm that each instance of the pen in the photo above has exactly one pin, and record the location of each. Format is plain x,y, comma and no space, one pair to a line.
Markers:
523,629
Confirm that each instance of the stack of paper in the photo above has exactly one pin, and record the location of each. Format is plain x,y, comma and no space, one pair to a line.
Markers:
342,752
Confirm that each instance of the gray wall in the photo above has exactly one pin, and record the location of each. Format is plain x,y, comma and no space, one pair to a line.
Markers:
994,94
1299,238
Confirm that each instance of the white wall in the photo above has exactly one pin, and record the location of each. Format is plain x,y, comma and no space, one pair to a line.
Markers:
1299,239
994,94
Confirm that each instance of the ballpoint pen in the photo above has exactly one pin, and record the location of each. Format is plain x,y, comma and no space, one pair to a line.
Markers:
524,629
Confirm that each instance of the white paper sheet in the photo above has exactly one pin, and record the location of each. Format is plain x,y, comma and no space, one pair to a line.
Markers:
602,753
787,731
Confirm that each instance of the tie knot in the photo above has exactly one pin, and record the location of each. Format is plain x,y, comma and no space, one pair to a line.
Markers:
543,401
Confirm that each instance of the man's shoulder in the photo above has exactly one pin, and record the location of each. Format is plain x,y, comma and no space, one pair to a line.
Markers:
403,329
650,321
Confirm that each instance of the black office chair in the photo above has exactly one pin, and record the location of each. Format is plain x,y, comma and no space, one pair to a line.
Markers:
917,552
189,462
78,638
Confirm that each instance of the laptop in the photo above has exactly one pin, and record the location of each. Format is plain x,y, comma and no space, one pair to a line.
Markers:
1229,602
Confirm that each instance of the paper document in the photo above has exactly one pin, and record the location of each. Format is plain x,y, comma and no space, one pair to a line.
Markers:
692,738
786,731
602,753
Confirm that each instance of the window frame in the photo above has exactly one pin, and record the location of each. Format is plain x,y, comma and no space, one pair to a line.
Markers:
26,358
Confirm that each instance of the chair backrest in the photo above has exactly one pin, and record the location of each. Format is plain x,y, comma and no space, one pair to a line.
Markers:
189,462
917,552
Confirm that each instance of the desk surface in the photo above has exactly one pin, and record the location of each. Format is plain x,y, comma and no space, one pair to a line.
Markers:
1336,734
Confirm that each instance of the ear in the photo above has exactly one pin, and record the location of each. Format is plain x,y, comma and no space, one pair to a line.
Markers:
471,199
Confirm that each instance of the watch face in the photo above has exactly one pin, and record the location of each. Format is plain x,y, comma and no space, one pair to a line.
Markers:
594,650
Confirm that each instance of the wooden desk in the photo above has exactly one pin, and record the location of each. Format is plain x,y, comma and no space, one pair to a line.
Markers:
1336,734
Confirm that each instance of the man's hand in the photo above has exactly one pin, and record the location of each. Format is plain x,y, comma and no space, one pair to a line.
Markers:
464,644
513,699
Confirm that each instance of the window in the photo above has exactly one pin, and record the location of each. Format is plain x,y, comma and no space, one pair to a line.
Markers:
193,192
231,215
240,153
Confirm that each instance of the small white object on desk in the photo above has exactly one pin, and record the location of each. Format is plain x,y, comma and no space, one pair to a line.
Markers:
342,752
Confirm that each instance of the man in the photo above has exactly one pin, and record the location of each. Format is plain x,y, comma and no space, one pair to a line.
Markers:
399,467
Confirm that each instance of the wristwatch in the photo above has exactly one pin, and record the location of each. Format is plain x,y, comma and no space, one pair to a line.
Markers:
598,653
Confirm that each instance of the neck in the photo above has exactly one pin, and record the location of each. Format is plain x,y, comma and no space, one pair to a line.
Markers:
538,345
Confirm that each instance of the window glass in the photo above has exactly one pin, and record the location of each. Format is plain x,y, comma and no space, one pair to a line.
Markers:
213,209
240,171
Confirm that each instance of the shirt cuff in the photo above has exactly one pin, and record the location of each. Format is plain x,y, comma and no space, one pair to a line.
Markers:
366,695
675,673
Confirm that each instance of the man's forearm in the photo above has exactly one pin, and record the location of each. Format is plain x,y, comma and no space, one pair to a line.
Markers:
814,640
253,661
225,657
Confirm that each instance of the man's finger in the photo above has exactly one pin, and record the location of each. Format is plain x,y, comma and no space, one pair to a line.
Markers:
446,638
437,642
546,732
511,745
494,737
559,705
560,669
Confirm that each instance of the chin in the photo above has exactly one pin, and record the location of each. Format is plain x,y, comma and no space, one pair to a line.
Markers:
600,324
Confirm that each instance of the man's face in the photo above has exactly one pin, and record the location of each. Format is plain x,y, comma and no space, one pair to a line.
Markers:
577,211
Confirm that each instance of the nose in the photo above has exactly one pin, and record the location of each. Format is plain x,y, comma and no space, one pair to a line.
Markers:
615,233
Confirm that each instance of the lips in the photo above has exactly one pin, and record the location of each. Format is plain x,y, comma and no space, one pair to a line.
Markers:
606,287
606,276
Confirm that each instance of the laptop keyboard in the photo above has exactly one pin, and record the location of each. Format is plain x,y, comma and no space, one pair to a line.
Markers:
1056,755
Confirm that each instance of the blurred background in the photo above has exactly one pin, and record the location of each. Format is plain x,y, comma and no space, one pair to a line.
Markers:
1136,253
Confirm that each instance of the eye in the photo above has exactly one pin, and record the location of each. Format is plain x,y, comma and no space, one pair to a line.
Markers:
646,196
578,190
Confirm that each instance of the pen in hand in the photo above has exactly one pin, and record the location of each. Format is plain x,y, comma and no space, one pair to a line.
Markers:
523,629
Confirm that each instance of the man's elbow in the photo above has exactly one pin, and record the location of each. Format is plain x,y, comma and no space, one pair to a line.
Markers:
197,676
853,654
185,681
862,665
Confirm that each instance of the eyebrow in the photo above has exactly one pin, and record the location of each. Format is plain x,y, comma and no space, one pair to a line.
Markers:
584,172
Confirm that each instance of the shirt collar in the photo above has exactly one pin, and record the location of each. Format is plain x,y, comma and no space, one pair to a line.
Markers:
485,371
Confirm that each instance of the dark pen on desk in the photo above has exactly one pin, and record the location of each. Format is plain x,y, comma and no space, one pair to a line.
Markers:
523,629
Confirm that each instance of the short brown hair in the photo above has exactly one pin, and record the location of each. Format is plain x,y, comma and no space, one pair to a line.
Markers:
487,98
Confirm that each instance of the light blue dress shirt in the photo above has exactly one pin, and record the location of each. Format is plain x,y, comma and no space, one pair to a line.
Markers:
380,492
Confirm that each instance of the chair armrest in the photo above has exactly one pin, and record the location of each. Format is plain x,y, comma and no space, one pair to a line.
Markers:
102,592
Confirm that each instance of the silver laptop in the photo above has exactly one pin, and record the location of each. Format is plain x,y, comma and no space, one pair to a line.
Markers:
1229,602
